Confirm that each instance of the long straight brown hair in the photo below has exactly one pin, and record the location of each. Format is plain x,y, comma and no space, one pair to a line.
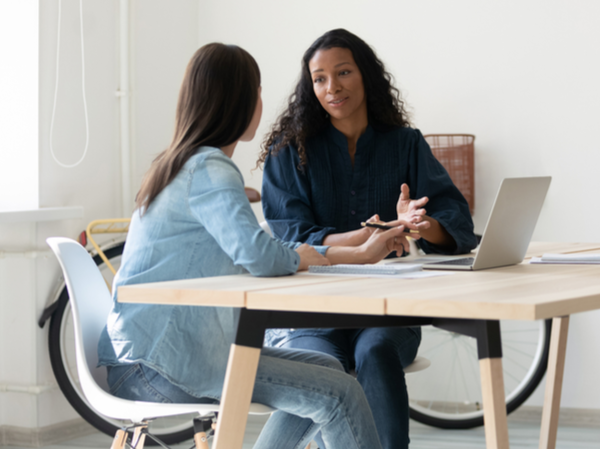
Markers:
216,103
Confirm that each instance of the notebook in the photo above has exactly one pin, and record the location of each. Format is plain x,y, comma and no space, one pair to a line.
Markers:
571,258
364,269
509,228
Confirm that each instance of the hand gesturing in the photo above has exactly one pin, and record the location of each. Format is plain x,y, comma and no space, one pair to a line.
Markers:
411,212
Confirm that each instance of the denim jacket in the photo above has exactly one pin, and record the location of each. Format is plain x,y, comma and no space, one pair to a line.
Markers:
200,225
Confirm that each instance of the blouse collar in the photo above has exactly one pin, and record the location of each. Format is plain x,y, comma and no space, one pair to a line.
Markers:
338,138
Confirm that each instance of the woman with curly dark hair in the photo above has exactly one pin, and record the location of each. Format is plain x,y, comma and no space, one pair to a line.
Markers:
343,153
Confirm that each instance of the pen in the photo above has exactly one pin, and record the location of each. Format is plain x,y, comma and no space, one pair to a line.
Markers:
385,227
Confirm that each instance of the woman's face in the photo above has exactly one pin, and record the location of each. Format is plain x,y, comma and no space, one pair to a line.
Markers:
251,130
338,83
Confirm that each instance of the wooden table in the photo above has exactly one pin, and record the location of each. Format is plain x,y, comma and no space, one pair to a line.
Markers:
470,303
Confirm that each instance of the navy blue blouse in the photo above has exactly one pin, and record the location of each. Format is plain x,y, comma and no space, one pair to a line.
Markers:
330,195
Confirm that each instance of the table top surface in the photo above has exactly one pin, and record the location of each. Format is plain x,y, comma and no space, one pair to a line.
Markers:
523,292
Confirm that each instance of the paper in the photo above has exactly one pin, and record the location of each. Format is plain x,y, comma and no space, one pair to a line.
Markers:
422,260
572,258
364,269
373,271
406,275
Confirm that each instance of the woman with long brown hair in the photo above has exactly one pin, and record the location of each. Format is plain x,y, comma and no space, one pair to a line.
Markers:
341,152
193,220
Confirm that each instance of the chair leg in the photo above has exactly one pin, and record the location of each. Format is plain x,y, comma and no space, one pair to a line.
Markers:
120,439
139,437
202,428
201,440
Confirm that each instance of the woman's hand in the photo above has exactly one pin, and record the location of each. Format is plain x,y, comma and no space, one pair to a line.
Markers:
382,243
411,212
351,238
310,257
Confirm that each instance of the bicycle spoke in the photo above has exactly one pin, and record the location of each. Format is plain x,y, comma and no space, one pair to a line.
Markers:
468,345
513,348
519,342
530,330
429,350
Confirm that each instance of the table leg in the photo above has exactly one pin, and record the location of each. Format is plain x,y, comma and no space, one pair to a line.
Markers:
554,380
237,396
494,403
489,352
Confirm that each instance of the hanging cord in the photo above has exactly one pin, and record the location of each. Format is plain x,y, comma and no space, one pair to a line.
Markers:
87,131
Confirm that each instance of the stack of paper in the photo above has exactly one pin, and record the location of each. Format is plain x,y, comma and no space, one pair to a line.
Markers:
572,258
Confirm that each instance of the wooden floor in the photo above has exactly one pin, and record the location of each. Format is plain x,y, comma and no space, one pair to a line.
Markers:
523,434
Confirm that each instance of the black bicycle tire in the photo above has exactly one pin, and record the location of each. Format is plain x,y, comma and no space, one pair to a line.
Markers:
64,382
521,397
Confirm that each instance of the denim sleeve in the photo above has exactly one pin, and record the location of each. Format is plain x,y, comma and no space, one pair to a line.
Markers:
286,200
446,204
322,249
218,201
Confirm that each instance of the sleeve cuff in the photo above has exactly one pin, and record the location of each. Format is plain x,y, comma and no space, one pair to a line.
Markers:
322,249
465,240
317,237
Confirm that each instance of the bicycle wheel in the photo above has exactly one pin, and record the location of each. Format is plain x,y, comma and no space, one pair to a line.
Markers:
62,357
448,394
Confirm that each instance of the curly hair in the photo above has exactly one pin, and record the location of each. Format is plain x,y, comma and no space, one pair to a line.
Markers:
305,117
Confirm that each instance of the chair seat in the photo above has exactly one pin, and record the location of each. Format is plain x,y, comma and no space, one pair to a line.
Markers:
137,411
420,363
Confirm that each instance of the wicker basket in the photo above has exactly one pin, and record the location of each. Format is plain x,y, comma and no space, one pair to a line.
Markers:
456,152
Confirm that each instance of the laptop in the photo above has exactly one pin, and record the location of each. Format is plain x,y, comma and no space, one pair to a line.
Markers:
509,228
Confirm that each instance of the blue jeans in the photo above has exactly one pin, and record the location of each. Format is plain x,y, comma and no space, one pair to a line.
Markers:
378,355
310,391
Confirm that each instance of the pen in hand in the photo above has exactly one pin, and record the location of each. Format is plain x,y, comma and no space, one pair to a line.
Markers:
385,227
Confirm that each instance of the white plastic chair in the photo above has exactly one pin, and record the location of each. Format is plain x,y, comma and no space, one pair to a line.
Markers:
91,303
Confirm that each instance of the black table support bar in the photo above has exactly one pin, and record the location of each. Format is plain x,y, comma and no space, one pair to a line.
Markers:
253,323
487,333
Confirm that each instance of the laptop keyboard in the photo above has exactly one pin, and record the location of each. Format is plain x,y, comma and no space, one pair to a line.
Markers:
456,262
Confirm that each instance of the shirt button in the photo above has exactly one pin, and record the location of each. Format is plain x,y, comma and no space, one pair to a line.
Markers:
352,212
352,192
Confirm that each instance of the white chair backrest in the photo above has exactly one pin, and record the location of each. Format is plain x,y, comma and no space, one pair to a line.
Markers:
91,303
265,226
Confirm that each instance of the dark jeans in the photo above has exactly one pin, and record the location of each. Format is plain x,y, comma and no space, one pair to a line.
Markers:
378,355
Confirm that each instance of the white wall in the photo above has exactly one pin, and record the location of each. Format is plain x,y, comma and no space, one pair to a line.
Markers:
163,36
520,75
166,36
19,94
517,74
